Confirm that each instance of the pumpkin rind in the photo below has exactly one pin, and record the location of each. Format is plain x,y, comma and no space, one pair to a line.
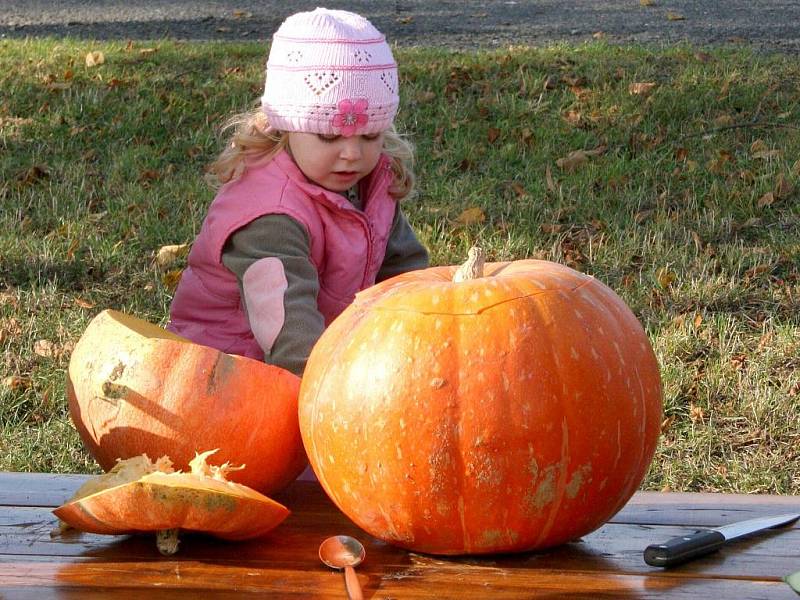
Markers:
136,388
507,413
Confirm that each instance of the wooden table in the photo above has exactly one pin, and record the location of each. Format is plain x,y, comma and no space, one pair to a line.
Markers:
605,564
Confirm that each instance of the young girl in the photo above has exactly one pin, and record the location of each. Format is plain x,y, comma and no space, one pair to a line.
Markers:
308,213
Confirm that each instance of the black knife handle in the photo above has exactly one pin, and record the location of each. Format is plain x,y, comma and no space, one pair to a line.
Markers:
680,549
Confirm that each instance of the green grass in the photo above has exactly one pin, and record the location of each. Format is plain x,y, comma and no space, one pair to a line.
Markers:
100,167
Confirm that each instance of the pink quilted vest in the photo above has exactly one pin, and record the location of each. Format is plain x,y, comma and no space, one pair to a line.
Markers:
347,248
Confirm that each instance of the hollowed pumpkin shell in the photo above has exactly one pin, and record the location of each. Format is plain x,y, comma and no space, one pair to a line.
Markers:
136,388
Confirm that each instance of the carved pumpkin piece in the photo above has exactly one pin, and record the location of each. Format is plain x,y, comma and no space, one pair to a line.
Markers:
139,496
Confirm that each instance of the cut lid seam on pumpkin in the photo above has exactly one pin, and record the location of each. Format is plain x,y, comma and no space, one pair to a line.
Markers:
481,310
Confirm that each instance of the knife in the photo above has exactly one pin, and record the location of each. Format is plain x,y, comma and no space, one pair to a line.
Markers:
681,549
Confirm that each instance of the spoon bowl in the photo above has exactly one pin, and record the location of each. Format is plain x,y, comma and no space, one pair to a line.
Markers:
344,552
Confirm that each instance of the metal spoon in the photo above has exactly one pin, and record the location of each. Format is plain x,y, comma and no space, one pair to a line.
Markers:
344,552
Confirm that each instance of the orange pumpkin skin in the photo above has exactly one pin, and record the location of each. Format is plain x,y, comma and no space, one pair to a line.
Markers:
508,413
136,388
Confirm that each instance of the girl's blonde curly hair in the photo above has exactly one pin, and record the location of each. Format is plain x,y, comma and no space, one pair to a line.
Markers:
253,142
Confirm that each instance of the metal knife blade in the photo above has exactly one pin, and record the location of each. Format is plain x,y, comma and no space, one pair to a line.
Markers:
681,549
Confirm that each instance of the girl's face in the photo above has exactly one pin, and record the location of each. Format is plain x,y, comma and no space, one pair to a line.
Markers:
335,162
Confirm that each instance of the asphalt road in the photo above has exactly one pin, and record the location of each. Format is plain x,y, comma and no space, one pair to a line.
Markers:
462,24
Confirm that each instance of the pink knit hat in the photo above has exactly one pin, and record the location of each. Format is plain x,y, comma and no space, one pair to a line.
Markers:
330,72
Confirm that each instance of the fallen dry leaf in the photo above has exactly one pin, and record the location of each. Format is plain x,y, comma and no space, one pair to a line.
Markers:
767,199
747,176
573,80
696,413
170,279
751,222
10,327
758,146
84,303
73,247
471,216
148,175
548,176
573,117
767,154
757,270
572,161
577,158
45,348
739,361
641,88
783,187
169,255
493,134
717,165
723,121
33,174
667,423
95,59
766,340
665,277
617,183
17,382
519,190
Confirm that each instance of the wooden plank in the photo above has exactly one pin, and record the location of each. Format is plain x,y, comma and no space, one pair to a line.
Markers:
37,489
702,510
162,578
644,508
614,547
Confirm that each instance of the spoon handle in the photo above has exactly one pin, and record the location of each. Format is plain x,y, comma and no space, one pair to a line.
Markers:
352,584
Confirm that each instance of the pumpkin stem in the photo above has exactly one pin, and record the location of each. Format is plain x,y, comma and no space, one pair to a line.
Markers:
472,267
167,541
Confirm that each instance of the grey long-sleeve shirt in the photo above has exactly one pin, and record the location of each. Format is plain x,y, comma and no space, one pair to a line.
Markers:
282,237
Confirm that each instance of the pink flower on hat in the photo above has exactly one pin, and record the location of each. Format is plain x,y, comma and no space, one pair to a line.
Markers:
351,116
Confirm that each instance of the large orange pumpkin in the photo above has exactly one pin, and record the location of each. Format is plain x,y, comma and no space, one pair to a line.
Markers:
136,388
138,496
516,410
